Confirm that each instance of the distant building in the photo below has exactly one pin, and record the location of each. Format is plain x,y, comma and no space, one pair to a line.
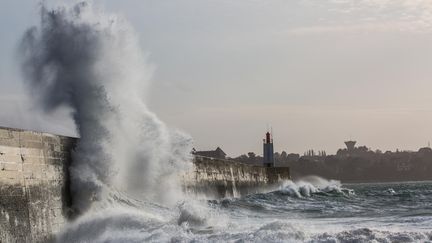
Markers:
293,157
350,149
425,151
217,154
350,145
268,151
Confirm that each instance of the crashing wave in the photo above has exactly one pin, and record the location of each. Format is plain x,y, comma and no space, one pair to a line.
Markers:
307,186
370,235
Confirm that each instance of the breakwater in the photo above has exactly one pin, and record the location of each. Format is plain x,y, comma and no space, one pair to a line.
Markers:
220,178
34,182
34,196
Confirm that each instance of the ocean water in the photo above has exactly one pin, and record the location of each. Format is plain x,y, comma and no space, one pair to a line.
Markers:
124,175
312,210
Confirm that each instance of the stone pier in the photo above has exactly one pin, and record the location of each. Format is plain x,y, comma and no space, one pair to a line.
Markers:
34,183
34,195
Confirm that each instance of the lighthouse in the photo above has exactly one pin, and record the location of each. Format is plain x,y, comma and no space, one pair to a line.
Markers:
268,151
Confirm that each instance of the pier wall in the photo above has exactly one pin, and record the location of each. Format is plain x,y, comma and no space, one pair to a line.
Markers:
34,182
226,178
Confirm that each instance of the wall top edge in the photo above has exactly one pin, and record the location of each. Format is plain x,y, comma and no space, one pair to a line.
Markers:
33,131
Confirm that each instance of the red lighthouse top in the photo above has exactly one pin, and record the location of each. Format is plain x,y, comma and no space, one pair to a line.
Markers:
268,139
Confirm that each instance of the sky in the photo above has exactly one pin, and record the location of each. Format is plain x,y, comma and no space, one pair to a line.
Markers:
319,72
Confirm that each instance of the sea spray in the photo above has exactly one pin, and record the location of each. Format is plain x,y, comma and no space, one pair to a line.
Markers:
124,166
91,62
306,186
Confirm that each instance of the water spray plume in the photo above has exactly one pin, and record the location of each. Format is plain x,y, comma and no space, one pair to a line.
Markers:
92,63
126,165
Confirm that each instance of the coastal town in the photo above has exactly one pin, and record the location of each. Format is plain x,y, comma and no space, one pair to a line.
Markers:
350,164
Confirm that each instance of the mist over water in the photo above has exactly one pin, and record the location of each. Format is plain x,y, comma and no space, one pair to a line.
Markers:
126,167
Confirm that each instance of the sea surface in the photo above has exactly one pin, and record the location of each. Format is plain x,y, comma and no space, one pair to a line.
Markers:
311,210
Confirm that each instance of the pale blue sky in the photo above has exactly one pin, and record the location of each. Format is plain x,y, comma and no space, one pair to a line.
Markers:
318,71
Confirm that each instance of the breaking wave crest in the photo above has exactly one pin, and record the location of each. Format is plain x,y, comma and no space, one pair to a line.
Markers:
290,232
91,62
307,186
369,235
127,163
125,167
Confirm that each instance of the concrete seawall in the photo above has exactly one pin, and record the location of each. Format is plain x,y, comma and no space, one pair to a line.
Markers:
34,182
218,178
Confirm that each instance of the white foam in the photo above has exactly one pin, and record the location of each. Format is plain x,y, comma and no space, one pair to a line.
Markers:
307,186
91,62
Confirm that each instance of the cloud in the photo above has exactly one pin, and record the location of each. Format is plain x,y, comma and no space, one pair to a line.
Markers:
390,26
414,16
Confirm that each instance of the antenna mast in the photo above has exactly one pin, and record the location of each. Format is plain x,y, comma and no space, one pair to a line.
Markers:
272,135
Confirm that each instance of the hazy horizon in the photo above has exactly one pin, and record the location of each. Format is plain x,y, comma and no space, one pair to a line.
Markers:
318,72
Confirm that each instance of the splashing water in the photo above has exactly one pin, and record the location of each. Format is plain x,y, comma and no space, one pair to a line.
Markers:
92,63
126,164
313,184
